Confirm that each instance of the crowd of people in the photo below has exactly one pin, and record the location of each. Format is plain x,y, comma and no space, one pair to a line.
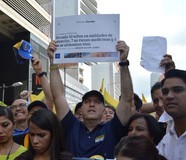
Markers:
34,131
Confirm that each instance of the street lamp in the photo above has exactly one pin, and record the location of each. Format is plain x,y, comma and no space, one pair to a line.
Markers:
16,84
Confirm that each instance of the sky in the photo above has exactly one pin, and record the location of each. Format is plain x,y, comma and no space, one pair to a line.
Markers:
138,18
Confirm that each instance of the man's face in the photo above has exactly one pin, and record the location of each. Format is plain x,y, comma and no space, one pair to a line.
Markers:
174,95
19,109
158,101
92,108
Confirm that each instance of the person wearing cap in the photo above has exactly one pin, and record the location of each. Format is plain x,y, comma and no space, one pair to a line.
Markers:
92,136
173,144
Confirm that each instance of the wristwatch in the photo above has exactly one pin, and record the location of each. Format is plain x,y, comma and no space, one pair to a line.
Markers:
41,74
124,63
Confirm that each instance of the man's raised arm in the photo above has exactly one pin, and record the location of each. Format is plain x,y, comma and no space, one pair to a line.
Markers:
38,68
126,103
56,84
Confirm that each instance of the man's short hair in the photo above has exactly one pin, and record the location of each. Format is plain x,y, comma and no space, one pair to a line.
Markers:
93,93
156,86
78,106
37,103
138,102
175,73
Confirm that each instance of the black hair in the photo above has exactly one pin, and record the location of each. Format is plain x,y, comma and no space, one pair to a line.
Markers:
156,86
78,106
175,73
137,148
7,112
47,120
138,102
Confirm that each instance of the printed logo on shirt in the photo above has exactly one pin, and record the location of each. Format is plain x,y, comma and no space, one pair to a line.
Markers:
99,138
99,157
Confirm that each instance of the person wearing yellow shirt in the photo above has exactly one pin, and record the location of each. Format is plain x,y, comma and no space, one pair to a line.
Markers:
9,150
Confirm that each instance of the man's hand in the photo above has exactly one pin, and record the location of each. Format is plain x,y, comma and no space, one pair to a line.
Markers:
25,94
167,62
37,66
122,47
50,51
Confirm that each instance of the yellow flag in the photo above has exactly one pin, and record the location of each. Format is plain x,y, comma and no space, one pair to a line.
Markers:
39,97
102,86
109,99
143,98
3,104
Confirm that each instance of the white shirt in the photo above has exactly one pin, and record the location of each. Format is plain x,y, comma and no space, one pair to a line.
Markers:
173,147
166,118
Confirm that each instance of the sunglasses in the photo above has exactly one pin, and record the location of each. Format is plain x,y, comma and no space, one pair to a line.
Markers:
21,105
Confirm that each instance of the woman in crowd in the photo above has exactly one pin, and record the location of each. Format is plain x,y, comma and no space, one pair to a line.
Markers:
8,148
145,125
46,141
108,113
136,148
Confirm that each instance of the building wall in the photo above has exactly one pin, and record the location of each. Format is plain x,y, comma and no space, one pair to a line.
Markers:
78,74
28,20
66,7
100,72
35,17
108,72
81,72
75,7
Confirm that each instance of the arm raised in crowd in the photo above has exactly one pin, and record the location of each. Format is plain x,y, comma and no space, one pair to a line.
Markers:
57,87
126,103
37,66
169,64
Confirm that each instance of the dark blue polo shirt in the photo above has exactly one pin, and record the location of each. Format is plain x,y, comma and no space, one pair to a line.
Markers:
100,141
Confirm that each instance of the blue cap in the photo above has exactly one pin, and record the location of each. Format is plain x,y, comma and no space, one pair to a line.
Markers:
24,49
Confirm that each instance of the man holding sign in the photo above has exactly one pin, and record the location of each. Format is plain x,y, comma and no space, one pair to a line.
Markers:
93,137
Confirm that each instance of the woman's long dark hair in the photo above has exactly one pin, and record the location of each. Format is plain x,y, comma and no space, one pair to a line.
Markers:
47,120
137,148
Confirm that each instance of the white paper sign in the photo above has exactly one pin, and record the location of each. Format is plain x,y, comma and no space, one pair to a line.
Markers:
87,38
153,49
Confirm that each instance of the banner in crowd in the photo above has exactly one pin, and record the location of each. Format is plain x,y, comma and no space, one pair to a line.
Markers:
86,38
